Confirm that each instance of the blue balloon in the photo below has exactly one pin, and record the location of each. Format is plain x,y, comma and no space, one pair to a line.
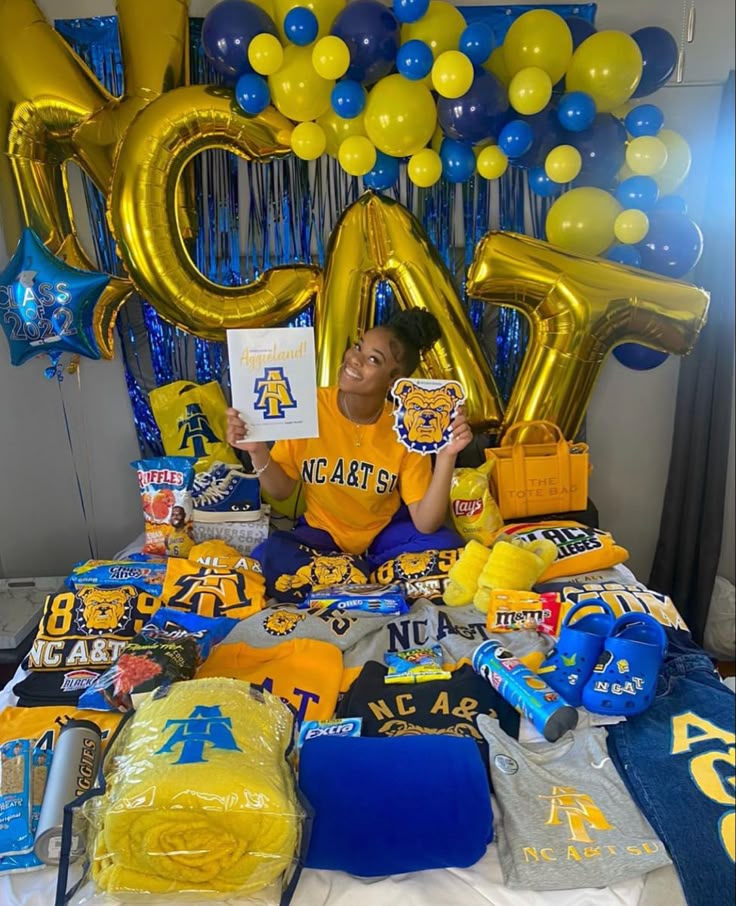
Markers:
458,160
515,139
372,34
637,357
624,254
674,204
410,10
576,111
659,58
548,134
301,26
47,306
673,245
252,94
476,42
227,31
479,113
580,29
603,151
348,99
414,60
639,192
646,119
541,184
384,174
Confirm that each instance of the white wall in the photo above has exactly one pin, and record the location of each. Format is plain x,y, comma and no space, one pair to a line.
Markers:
42,531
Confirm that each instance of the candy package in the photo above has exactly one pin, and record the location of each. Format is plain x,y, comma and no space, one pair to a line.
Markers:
514,610
369,598
166,492
145,575
170,647
340,726
16,835
415,665
475,513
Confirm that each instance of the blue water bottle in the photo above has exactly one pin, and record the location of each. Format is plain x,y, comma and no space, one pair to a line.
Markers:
524,690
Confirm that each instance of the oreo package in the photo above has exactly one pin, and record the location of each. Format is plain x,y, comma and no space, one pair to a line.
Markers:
384,599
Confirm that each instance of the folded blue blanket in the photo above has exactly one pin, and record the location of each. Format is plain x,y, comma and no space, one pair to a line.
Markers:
389,806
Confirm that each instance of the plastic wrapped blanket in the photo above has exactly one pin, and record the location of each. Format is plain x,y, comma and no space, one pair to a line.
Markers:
200,798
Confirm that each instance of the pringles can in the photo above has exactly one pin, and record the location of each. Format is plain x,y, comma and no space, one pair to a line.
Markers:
524,690
73,772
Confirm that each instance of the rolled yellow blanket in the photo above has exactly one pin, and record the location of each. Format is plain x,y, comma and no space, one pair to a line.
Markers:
200,798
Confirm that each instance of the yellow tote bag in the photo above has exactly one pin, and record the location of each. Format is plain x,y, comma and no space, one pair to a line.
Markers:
192,421
535,479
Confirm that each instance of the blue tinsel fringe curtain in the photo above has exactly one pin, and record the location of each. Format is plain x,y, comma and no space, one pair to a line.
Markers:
291,211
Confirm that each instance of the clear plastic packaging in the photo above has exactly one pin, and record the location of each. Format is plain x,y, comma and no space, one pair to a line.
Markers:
199,801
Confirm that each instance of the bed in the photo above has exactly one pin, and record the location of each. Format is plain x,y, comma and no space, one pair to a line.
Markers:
480,884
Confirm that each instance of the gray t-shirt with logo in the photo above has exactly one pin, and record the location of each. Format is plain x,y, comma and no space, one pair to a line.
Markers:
567,820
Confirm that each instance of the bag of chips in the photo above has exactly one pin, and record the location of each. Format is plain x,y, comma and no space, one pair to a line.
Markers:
475,513
166,492
192,421
170,647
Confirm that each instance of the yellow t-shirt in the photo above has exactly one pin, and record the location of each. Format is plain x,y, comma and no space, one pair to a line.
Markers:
354,476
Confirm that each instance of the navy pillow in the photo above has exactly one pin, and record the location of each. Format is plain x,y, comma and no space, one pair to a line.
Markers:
389,806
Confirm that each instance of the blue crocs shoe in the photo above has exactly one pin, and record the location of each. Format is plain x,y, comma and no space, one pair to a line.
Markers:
569,665
226,494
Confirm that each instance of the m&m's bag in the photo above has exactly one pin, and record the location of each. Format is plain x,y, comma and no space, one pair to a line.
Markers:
166,492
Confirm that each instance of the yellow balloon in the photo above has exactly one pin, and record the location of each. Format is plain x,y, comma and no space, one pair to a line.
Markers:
582,220
337,129
424,168
492,162
357,155
438,136
578,308
324,10
646,155
563,163
496,64
376,239
631,226
608,67
530,90
538,38
440,28
452,74
331,57
296,89
265,54
157,148
675,170
400,116
308,141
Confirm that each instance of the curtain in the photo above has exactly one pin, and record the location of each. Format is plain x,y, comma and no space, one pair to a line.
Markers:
689,544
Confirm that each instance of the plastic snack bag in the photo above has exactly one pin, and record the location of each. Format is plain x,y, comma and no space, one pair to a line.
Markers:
166,493
415,665
368,598
475,513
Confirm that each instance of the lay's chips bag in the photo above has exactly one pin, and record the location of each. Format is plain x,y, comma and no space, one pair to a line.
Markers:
192,421
475,513
580,549
166,493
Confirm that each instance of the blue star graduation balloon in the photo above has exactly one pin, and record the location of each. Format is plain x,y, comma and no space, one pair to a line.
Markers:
47,306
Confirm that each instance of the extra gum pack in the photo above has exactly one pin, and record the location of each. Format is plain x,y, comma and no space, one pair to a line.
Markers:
510,610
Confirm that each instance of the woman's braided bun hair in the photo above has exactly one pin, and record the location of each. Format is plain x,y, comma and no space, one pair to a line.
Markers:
417,330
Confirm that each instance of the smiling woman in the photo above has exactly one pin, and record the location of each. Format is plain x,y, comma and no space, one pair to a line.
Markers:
358,479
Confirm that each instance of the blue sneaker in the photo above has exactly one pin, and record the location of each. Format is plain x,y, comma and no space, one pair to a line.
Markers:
226,494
